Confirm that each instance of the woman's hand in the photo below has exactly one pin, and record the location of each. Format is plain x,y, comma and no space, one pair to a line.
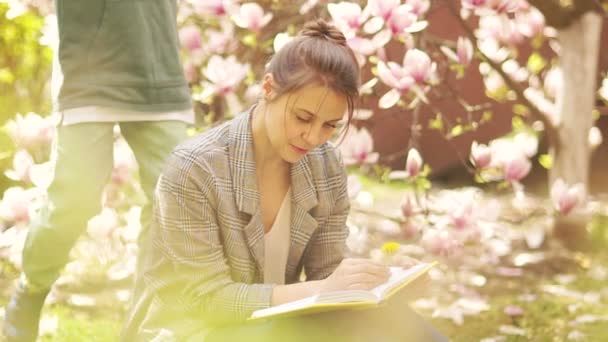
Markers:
404,261
356,274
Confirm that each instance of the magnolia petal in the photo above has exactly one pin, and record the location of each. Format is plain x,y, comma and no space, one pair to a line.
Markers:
368,86
417,26
373,25
382,38
389,99
449,53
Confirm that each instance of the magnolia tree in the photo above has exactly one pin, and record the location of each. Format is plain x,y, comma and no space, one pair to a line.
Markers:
553,93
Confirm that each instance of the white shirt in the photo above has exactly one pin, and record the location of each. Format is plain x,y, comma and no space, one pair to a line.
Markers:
107,114
276,244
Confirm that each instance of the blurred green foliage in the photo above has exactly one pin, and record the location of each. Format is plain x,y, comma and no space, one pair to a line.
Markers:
25,69
25,65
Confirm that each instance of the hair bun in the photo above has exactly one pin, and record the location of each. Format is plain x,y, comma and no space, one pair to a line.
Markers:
321,29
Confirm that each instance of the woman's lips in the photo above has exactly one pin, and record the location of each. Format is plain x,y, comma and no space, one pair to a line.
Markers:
299,150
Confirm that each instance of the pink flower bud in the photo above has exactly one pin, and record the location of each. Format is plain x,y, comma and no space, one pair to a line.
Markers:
410,229
516,169
566,198
190,37
481,155
513,310
407,206
413,164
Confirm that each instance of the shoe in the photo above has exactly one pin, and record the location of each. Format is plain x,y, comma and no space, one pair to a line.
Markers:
22,315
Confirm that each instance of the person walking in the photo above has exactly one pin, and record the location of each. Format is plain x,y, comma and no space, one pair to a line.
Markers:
117,62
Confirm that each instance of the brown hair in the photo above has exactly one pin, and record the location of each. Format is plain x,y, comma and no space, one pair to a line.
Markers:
318,54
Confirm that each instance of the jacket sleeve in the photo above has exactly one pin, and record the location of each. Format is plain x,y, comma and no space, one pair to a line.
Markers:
188,237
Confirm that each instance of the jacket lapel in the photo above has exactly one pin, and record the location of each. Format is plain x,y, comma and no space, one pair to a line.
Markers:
304,198
242,170
304,195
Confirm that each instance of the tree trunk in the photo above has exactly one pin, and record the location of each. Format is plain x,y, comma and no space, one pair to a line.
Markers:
572,156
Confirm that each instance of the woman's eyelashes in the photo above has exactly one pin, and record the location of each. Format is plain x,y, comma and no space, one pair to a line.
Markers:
309,120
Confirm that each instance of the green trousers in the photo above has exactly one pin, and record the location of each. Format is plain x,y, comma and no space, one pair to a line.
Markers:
83,157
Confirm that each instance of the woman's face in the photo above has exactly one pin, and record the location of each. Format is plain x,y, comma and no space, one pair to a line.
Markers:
299,121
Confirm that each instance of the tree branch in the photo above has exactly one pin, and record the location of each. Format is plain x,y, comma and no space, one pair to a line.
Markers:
519,92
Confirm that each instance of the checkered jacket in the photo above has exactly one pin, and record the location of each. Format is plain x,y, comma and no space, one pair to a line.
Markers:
205,264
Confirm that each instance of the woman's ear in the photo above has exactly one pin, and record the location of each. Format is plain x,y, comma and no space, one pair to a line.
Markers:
268,87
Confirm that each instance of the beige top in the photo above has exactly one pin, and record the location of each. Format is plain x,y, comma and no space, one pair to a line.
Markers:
276,244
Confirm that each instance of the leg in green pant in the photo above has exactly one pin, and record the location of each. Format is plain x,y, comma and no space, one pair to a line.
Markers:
83,165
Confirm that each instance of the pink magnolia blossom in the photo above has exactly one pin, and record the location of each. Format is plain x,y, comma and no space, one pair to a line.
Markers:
216,8
481,155
32,130
464,51
526,143
251,16
22,164
347,16
124,163
357,147
410,229
395,76
603,92
354,186
14,207
408,205
101,226
530,23
418,65
401,19
224,75
546,106
513,310
413,164
512,156
362,46
383,8
516,169
565,198
439,242
503,6
595,137
553,82
190,71
473,4
419,7
462,216
499,28
280,40
222,41
190,37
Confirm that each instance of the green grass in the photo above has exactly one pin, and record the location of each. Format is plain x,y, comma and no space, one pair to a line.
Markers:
78,326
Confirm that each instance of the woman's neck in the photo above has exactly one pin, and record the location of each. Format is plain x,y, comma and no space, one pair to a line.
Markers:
266,157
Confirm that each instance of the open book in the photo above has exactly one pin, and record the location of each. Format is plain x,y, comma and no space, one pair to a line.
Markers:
354,299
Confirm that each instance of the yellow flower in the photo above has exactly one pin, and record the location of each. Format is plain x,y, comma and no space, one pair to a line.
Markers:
390,248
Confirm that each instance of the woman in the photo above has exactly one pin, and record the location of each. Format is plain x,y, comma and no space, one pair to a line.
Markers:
242,209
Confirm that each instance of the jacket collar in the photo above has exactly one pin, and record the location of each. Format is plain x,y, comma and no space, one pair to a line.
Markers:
243,172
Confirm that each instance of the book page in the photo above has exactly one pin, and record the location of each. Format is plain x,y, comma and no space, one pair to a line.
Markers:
399,276
322,302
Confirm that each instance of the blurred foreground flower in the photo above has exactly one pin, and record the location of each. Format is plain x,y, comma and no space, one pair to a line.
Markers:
565,198
357,147
251,16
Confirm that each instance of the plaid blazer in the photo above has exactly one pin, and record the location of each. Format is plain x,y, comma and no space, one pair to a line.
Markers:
205,266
